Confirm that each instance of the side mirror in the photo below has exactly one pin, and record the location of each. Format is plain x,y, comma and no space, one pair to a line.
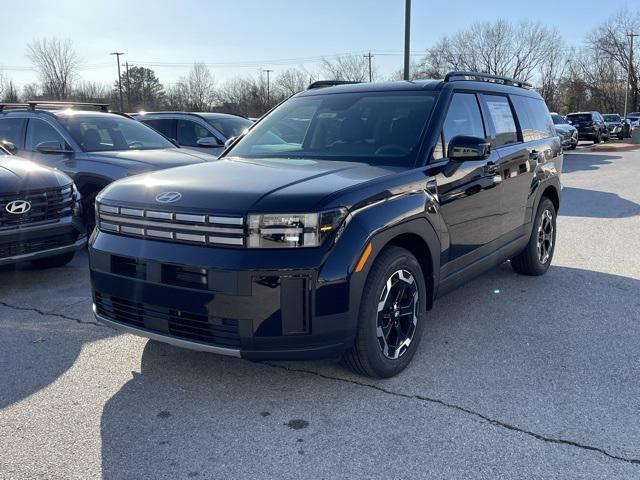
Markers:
52,147
208,142
462,148
9,147
229,141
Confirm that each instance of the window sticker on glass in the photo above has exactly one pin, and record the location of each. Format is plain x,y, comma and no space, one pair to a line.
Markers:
501,116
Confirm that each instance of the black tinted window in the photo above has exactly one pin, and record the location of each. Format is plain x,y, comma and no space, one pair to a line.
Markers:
502,118
579,117
230,127
165,126
534,118
190,132
463,118
39,131
558,119
11,130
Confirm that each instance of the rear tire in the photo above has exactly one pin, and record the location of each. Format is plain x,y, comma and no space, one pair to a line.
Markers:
89,209
536,257
55,261
392,314
598,138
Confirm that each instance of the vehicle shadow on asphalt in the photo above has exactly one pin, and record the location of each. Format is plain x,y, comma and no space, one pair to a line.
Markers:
188,414
575,162
580,202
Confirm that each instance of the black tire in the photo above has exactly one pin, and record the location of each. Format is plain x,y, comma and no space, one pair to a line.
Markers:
620,136
89,209
573,147
56,261
367,356
598,138
529,261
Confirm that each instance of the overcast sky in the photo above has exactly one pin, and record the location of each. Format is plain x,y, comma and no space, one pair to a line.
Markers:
243,37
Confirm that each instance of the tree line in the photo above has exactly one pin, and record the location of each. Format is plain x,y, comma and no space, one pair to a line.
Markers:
592,76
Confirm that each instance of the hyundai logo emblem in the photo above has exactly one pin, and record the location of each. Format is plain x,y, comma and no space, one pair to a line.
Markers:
18,207
168,197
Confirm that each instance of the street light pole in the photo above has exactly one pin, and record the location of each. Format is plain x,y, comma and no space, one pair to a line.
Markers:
629,67
267,72
117,54
407,37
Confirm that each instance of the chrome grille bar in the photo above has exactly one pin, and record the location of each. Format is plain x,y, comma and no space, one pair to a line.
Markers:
178,227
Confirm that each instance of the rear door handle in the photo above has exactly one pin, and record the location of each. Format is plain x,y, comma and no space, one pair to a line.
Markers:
491,168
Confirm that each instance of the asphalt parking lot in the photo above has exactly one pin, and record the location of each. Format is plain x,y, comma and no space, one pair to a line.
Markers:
516,377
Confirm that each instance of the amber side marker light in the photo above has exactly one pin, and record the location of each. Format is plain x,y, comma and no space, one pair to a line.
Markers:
364,258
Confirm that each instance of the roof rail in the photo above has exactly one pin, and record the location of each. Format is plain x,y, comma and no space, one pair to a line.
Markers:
329,83
12,105
485,77
104,107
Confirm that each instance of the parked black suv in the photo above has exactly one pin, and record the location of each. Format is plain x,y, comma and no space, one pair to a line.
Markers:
40,213
334,223
590,126
93,147
614,124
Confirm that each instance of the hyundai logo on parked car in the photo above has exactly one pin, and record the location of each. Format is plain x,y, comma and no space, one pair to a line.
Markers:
18,207
168,197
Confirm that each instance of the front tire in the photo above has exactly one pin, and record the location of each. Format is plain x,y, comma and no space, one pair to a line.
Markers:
391,318
55,261
536,257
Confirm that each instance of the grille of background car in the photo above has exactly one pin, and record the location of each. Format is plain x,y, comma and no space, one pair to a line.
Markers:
46,206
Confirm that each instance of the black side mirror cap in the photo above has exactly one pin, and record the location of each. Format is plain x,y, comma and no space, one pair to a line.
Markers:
9,147
462,148
52,147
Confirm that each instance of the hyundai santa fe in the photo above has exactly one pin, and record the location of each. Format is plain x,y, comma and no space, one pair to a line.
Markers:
332,225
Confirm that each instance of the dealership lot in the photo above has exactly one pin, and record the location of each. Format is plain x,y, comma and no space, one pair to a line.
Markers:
516,377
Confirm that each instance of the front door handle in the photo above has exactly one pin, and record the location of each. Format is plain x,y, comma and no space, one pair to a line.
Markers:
491,168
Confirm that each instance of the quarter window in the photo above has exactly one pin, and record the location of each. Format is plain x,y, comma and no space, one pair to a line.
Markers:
39,131
502,118
463,118
534,118
165,126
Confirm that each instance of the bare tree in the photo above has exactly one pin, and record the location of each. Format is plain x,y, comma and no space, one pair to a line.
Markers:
353,68
499,48
57,65
293,80
199,88
91,92
31,91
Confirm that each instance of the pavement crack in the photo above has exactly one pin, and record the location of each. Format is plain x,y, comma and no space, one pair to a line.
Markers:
53,314
466,411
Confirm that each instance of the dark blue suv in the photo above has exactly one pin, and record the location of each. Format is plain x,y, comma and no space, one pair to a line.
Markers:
332,225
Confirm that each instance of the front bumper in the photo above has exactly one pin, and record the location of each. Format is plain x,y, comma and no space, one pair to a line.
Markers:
225,301
33,242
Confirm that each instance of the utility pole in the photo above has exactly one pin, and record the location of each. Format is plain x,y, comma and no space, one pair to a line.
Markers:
369,56
128,87
267,72
117,54
407,37
631,35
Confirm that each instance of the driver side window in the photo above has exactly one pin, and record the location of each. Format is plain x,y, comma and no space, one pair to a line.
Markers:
39,131
190,132
463,118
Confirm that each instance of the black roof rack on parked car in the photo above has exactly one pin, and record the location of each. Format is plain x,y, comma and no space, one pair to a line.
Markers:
329,83
104,107
7,106
485,77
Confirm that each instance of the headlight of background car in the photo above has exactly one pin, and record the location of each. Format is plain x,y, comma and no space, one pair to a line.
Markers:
293,230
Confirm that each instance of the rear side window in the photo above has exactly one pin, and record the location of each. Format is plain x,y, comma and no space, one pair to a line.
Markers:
502,119
463,118
11,130
165,126
535,120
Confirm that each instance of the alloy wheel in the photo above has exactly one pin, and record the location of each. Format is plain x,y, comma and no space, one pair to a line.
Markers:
397,314
545,237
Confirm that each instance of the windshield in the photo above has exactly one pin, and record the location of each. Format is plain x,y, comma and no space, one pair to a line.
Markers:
612,118
558,119
102,133
371,127
579,117
229,126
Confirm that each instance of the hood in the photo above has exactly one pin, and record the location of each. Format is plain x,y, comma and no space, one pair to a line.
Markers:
565,126
19,175
156,158
236,186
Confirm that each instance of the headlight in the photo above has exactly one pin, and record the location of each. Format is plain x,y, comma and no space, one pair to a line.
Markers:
293,230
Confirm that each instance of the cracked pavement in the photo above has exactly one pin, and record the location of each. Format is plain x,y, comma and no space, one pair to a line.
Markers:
516,377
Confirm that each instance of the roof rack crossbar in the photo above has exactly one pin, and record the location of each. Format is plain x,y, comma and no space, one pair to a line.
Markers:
12,105
329,83
32,104
485,77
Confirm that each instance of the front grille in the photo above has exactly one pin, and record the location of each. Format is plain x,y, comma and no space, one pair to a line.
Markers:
173,226
24,247
177,323
46,206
